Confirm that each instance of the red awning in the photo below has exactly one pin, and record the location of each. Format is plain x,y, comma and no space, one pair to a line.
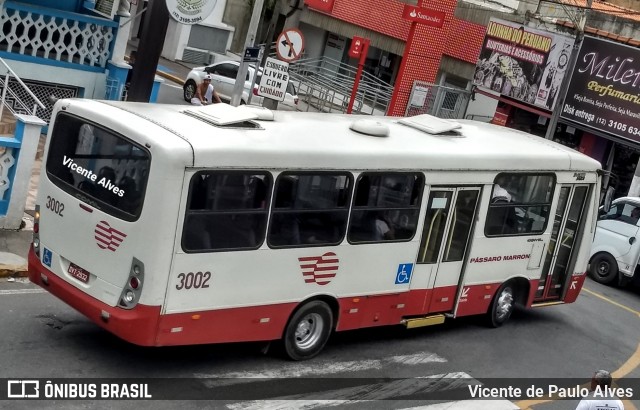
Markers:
520,105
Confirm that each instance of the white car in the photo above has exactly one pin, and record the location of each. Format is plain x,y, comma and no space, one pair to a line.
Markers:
223,79
615,252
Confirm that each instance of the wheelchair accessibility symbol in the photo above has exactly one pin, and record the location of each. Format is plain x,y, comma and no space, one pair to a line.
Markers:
46,257
404,273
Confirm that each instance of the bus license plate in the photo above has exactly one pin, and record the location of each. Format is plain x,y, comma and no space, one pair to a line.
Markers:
78,273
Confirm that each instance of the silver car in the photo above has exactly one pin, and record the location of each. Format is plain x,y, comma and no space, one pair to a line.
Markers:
223,79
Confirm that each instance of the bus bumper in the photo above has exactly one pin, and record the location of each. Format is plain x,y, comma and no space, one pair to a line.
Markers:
138,325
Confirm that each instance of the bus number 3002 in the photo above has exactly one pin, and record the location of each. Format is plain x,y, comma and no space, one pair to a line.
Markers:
55,205
198,280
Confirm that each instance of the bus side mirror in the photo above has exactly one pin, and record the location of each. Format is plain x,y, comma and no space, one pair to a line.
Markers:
608,197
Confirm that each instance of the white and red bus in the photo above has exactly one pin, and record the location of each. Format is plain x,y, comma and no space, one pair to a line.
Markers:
175,225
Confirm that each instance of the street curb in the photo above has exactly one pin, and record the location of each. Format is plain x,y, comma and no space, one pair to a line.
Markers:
170,77
13,271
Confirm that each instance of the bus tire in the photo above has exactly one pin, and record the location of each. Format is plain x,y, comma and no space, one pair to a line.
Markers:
502,306
308,331
603,268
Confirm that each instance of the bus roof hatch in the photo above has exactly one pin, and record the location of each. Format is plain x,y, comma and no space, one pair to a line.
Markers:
221,114
430,124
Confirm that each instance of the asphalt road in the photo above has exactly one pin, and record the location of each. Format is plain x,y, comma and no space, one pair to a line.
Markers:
44,338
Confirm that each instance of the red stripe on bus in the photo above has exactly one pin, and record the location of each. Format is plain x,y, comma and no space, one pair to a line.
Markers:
144,325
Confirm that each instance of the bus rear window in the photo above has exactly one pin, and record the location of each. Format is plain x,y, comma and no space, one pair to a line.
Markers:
98,166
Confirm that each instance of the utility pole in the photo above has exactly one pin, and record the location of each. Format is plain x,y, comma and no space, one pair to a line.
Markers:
564,86
249,42
156,21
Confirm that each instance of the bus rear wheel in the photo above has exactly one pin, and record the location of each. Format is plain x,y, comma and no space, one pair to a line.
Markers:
308,331
502,305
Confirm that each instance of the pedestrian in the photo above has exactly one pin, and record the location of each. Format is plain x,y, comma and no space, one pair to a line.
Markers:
132,61
205,93
600,381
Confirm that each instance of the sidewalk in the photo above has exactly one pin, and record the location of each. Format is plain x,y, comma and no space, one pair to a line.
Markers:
14,245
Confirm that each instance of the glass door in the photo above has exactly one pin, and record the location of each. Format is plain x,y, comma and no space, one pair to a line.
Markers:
567,229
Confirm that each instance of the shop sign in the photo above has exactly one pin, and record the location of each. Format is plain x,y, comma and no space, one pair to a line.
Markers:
523,63
190,11
428,17
320,5
357,44
604,90
500,118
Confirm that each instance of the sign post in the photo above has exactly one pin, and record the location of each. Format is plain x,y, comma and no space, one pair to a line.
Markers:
236,95
359,49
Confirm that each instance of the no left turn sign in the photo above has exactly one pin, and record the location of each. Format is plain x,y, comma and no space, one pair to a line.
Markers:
290,44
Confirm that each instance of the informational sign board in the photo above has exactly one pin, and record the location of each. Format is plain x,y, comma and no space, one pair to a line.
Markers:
419,96
190,11
275,78
428,17
523,63
357,44
290,45
603,90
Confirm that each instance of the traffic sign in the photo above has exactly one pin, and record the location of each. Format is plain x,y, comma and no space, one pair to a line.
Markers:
290,44
275,78
251,54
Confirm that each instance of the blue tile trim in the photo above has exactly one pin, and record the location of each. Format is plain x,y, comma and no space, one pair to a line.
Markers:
47,61
10,142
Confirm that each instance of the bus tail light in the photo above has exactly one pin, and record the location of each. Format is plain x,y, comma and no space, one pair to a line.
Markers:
255,90
36,231
131,293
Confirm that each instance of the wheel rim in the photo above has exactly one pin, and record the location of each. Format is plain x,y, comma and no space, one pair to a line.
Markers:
309,331
505,304
603,269
189,90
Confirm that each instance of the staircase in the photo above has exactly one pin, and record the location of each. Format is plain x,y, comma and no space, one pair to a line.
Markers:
7,123
16,91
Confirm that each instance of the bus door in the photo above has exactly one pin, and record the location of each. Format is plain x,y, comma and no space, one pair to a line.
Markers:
567,229
445,239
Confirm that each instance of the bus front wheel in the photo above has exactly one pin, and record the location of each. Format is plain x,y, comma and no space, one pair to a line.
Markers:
502,306
308,331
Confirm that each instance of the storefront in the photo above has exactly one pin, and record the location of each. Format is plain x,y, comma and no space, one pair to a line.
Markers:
523,68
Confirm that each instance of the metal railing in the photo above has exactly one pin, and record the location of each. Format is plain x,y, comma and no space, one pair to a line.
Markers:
6,89
326,84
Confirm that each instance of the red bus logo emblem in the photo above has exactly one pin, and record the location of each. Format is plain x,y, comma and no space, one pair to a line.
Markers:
319,269
108,237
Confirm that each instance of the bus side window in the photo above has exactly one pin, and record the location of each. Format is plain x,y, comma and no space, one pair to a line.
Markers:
226,211
520,204
309,209
386,207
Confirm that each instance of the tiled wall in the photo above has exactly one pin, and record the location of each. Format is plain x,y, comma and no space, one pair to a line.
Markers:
425,45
